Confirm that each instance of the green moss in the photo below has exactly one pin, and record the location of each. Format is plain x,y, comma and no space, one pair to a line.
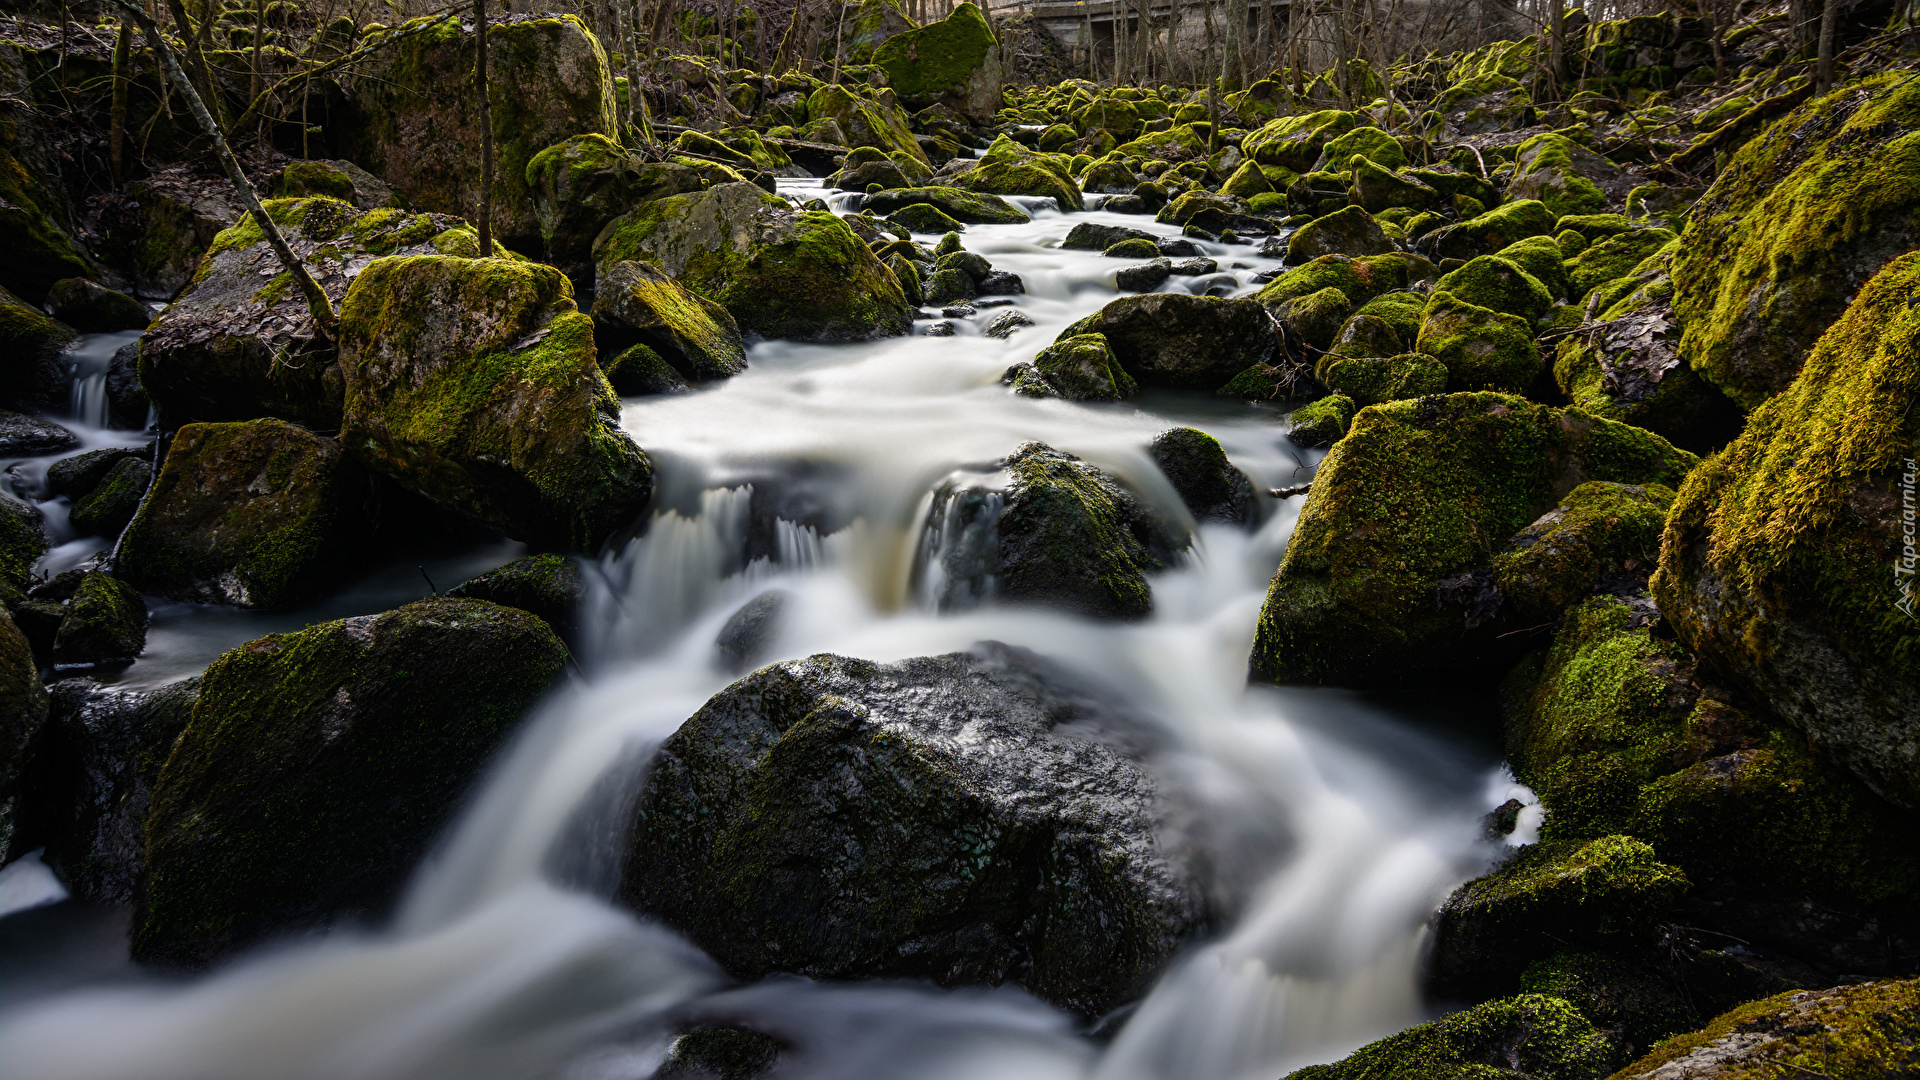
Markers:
1071,537
1373,380
1491,231
1321,423
106,622
969,207
1008,168
1846,1032
1641,1007
1350,231
1296,142
1497,283
1531,1035
1547,172
937,59
1083,368
1482,349
1797,220
1612,258
313,178
1359,280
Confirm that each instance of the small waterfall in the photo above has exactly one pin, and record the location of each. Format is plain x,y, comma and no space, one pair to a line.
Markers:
956,560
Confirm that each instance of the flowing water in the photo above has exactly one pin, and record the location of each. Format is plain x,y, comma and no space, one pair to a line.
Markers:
1340,820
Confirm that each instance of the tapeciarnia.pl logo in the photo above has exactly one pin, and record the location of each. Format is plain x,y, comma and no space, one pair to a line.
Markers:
1903,566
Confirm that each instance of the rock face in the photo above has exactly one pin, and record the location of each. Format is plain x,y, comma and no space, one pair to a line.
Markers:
319,765
23,709
584,182
418,124
257,514
842,819
32,374
1387,582
238,343
1865,1030
954,62
779,273
473,382
1531,1035
635,303
1181,340
1784,564
1797,221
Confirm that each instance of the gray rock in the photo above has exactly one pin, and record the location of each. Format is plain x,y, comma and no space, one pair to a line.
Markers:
30,436
1144,277
1209,485
750,630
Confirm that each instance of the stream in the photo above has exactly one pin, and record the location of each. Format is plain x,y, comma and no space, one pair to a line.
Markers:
1347,817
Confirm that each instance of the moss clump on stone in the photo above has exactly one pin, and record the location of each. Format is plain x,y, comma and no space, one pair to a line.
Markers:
1352,232
1531,1035
548,585
109,505
319,765
1007,168
924,218
1491,231
969,207
1499,284
1072,537
1612,258
1482,349
1296,142
1636,1007
1373,380
637,303
106,623
302,178
1323,422
1083,368
937,61
581,183
1360,280
1849,1031
1547,170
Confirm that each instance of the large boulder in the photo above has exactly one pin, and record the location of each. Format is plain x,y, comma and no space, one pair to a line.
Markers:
1046,529
1788,560
1351,232
875,121
954,62
1557,171
177,217
1489,232
33,374
780,273
842,819
636,303
474,382
23,709
1080,368
319,765
1182,340
968,207
584,182
1008,168
258,513
1864,1030
92,308
1391,578
105,624
1798,220
417,121
1482,349
1525,1037
239,342
1296,142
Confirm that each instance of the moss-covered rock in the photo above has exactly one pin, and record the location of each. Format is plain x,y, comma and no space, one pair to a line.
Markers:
1530,1035
1078,368
827,817
1368,142
474,383
1797,221
967,207
1097,236
1500,284
32,373
1208,484
1375,379
23,539
1379,583
1072,536
109,505
1296,142
1865,1030
1634,1006
1783,562
1611,258
1359,280
36,219
1489,232
74,476
874,121
1133,248
259,514
1545,897
779,273
106,623
636,303
926,219
638,371
1007,168
416,123
582,183
1377,188
953,62
549,586
1556,171
238,344
1351,232
1321,423
319,765
1482,349
341,180
1363,335
92,308
1181,340
1626,367
23,710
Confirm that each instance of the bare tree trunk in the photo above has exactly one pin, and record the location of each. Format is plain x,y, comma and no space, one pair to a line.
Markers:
117,111
317,303
485,224
839,34
1829,22
259,79
1557,50
628,13
197,61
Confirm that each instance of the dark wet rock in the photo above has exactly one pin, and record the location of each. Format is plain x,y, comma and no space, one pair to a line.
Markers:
319,765
582,183
75,476
638,371
108,507
127,404
257,514
1001,283
103,750
1209,485
1144,277
1093,236
1528,1036
92,308
178,214
1178,247
23,539
841,819
1180,340
637,303
474,383
1195,268
105,623
23,709
1007,323
967,207
750,631
549,586
30,436
720,1054
33,374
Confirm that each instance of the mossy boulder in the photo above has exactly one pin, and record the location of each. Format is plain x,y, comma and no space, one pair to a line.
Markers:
1321,423
1384,582
23,710
259,513
74,476
1864,1030
1181,340
319,765
1072,536
1296,142
967,207
106,623
925,219
92,308
1557,171
109,505
1784,564
415,122
1489,232
1377,188
1078,368
1362,335
1196,465
1351,232
1607,891
23,539
1529,1035
874,121
1611,258
840,819
1007,168
1540,256
780,273
1366,141
473,382
1500,284
580,184
1626,366
1632,1004
636,303
1359,280
1482,349
1797,221
238,343
1375,379
549,586
954,62
1097,236
33,374
340,179
37,230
